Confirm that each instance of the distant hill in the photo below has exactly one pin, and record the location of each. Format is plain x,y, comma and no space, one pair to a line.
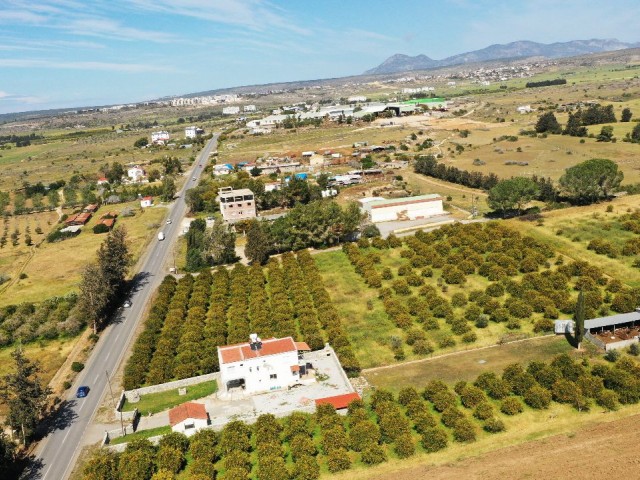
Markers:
521,49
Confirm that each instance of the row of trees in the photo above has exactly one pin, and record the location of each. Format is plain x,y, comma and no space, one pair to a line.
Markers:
191,317
585,183
418,297
428,165
319,224
297,447
103,281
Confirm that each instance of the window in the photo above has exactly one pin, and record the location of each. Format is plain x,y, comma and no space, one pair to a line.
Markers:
189,425
273,376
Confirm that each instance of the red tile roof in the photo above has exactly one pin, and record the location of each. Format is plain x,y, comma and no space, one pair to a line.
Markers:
295,368
108,222
187,410
78,219
242,351
147,198
339,401
302,347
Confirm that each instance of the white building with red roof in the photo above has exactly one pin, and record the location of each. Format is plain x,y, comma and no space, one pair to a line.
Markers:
261,365
188,418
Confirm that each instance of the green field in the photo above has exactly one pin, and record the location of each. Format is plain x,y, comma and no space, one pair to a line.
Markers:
466,365
158,402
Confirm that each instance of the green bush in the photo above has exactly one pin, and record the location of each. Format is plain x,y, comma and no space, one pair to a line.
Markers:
511,406
608,400
77,366
373,455
405,446
464,431
483,411
434,439
338,460
537,397
493,425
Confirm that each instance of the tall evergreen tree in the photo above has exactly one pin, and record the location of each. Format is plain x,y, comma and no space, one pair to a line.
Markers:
574,126
578,317
25,395
114,258
257,247
221,244
94,296
547,122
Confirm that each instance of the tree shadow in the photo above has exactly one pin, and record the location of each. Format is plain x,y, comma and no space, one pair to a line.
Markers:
571,338
58,419
28,468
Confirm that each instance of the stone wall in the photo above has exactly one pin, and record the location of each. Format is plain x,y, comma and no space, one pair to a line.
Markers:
163,387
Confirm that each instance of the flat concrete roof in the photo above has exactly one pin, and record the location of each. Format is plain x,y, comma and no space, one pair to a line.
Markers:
394,201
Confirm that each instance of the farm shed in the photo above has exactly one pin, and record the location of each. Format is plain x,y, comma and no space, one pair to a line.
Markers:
614,331
188,418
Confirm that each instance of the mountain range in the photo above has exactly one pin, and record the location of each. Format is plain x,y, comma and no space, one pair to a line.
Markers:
520,49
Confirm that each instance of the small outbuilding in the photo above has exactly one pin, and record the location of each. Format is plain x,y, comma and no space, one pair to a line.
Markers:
188,418
339,402
146,202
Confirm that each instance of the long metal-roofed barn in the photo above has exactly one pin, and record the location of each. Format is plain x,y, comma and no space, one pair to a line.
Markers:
614,331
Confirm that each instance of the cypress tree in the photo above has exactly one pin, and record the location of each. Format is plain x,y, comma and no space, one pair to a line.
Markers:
579,319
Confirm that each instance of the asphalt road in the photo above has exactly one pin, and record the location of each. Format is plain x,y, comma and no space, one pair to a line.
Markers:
58,451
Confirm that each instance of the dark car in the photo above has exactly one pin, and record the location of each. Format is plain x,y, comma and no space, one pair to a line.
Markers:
82,392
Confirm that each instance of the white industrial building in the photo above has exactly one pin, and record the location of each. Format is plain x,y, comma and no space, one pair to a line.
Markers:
249,108
160,137
230,110
408,208
261,365
236,205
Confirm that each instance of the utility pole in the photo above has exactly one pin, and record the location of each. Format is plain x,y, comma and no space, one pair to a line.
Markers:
115,406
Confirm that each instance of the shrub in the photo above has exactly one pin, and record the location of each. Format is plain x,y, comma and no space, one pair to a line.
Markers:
493,425
511,406
443,400
422,347
450,416
363,434
543,325
469,337
608,400
386,273
483,411
464,431
338,460
306,468
404,445
537,397
373,455
176,440
458,299
612,355
170,459
77,366
434,439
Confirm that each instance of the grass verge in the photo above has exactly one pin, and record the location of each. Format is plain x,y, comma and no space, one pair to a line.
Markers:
152,432
158,402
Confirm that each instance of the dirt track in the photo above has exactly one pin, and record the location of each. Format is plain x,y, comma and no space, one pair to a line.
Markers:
605,450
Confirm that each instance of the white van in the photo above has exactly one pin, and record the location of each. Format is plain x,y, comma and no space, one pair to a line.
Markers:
161,236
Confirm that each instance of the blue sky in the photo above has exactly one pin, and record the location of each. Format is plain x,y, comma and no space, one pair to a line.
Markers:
66,53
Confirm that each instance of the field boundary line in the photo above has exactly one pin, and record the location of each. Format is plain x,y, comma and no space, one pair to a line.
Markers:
450,354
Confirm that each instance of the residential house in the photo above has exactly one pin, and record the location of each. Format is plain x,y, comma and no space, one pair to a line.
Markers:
188,418
102,181
249,108
146,202
135,173
159,138
237,205
230,110
262,365
193,132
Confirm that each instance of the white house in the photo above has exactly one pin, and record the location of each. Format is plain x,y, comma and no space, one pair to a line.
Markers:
160,137
249,108
146,202
193,132
407,208
135,173
188,418
102,181
230,110
522,109
261,365
357,98
272,186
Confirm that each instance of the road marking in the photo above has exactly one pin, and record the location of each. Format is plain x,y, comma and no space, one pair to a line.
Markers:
118,336
107,357
97,377
81,407
65,437
45,473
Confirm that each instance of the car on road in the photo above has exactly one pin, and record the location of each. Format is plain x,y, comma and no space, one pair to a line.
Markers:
194,179
169,221
82,391
126,304
161,236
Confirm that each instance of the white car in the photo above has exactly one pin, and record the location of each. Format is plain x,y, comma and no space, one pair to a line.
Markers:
126,304
169,221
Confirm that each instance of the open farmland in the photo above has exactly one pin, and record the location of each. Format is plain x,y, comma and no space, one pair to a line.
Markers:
43,280
458,287
192,317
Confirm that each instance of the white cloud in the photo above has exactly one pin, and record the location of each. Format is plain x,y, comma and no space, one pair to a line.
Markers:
96,66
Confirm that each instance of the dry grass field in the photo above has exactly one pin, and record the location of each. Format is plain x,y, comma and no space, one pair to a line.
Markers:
55,268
